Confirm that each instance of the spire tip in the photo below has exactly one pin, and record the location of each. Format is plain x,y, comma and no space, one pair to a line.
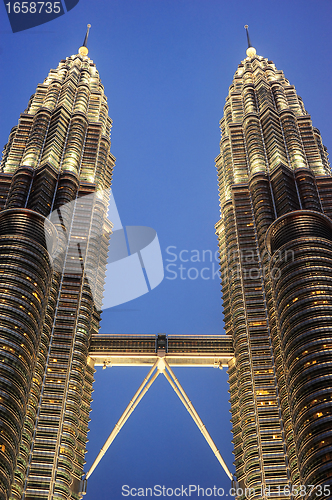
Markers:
84,50
251,51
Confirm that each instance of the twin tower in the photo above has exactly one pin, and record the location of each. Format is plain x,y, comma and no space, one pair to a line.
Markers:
275,237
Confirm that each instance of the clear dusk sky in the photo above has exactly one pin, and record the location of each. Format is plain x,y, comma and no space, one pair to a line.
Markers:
166,66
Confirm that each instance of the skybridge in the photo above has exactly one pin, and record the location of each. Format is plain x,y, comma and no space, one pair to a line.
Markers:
160,353
178,350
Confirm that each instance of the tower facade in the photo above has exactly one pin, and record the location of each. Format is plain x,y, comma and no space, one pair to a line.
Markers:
54,186
275,237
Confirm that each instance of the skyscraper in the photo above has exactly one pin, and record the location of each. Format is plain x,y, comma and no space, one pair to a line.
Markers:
57,161
275,237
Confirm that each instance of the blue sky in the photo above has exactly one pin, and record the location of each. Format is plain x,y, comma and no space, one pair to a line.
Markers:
166,66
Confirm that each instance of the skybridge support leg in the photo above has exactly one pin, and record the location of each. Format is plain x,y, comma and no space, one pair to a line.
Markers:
190,407
143,388
160,366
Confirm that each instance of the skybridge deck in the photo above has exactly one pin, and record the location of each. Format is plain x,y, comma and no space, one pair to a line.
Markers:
178,350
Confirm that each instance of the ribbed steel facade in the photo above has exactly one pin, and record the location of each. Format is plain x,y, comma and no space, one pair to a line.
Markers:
275,234
26,275
57,161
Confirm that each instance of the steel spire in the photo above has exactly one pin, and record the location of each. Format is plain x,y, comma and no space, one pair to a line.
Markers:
84,49
248,37
251,51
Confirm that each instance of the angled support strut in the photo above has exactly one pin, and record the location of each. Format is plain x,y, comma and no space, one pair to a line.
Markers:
143,388
196,418
160,366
